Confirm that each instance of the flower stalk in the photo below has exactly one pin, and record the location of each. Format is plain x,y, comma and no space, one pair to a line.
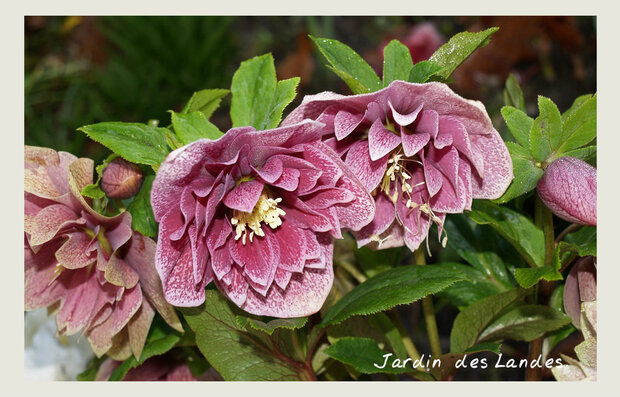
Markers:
429,311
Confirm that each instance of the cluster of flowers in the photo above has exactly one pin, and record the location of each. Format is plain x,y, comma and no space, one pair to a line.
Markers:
256,212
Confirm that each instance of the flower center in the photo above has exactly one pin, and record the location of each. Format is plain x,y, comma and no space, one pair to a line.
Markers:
397,173
266,210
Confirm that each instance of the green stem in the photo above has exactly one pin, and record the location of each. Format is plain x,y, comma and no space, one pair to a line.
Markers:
412,351
352,270
429,311
544,220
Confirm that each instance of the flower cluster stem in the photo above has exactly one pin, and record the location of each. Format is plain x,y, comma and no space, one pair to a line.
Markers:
429,312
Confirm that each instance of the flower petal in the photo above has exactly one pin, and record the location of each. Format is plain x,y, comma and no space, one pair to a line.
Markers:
369,172
381,140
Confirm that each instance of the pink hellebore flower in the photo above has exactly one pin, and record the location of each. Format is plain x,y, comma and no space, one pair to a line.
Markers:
568,188
255,211
93,270
420,149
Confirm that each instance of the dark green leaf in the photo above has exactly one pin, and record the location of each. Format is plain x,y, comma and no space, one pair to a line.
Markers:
142,218
160,340
377,327
190,127
423,70
580,126
472,320
584,240
397,62
478,246
519,124
138,143
546,132
235,353
526,172
253,90
464,293
513,94
450,55
270,326
519,230
365,356
349,66
394,287
205,101
374,262
525,323
528,276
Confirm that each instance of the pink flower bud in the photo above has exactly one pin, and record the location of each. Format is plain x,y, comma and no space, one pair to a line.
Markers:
568,188
121,179
580,287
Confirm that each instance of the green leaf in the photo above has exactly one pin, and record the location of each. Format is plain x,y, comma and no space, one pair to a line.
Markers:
394,287
258,99
374,262
397,63
519,230
584,153
546,133
159,341
525,323
90,373
234,352
135,142
464,293
526,172
286,91
423,70
513,95
94,190
365,356
253,88
527,277
576,105
479,247
450,55
348,65
519,124
584,240
472,320
579,127
270,326
142,218
377,327
205,101
190,127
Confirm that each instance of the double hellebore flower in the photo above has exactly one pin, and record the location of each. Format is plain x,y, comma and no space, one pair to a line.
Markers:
94,271
580,287
255,211
421,150
568,188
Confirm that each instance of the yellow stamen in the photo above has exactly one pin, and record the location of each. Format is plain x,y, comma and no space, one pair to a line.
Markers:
266,210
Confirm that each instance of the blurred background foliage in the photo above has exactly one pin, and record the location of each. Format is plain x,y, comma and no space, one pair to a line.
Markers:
82,70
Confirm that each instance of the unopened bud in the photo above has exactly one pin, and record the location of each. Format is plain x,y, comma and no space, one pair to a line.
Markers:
121,179
568,188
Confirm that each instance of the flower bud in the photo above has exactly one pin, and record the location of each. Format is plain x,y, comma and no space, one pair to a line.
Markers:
568,188
580,287
121,179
